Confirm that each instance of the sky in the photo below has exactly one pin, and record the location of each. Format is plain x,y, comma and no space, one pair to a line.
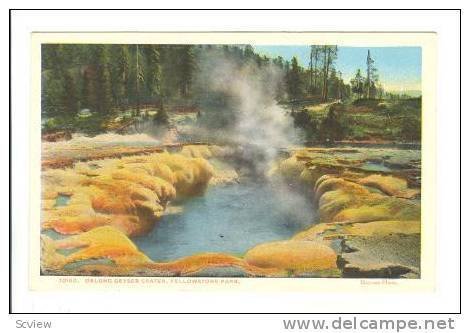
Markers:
399,68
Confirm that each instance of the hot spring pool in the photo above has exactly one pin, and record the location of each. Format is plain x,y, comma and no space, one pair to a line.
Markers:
229,219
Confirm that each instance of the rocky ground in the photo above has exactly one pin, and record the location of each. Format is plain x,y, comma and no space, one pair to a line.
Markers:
368,205
370,215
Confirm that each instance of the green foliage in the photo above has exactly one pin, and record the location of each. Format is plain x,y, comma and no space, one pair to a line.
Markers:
154,72
52,90
187,64
367,87
392,120
331,127
120,69
294,80
249,52
50,125
105,78
324,127
330,53
305,120
411,129
102,98
68,95
397,120
357,84
161,117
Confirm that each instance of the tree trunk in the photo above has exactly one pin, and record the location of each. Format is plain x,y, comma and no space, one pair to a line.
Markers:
325,77
368,73
137,71
315,78
311,69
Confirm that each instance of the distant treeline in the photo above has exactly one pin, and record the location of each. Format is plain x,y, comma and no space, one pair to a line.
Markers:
105,78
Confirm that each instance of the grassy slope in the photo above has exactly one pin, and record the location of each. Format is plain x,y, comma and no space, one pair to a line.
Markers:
374,120
387,120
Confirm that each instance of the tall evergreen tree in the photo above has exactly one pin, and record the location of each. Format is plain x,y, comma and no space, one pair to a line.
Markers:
102,99
248,52
138,78
52,58
334,89
294,80
52,73
187,66
372,77
314,57
154,72
69,95
329,56
120,74
357,84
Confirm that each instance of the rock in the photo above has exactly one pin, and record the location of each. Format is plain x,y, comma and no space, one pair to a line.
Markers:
383,228
314,233
377,211
71,225
382,256
128,193
106,243
390,185
194,264
348,202
221,271
311,174
164,190
369,219
51,260
224,174
293,255
290,169
57,136
365,219
199,151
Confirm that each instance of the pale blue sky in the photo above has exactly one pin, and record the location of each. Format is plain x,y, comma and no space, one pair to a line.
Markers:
399,68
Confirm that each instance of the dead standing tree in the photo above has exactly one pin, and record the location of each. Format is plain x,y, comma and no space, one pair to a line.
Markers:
330,53
314,57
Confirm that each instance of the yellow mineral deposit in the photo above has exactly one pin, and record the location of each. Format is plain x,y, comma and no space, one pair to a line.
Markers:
112,199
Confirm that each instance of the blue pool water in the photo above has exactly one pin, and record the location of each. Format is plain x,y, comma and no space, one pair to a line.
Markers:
229,219
374,166
62,200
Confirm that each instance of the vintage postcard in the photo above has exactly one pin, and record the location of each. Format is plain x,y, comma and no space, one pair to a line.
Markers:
250,159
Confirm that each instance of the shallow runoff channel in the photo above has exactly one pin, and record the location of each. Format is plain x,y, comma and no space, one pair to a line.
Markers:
229,219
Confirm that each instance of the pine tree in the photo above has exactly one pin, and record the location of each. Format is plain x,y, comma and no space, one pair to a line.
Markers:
154,72
102,100
314,57
69,97
52,75
120,74
372,77
357,84
50,95
248,52
329,56
161,117
294,80
187,66
334,84
52,59
138,78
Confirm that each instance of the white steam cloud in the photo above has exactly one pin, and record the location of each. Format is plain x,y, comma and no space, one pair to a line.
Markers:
259,120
